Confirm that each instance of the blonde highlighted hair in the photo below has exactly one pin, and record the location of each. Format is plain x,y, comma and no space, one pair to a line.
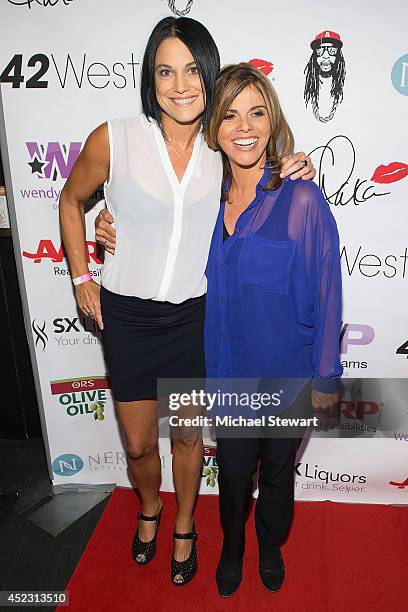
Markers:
231,81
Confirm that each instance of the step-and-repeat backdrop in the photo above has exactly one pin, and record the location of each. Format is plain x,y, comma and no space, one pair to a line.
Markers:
68,65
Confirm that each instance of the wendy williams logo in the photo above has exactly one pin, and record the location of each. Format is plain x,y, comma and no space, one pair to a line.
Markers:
44,3
52,160
183,13
325,73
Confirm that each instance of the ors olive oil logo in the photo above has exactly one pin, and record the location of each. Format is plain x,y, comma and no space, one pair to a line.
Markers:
82,396
210,467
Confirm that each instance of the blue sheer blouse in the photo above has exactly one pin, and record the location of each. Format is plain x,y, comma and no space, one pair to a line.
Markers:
273,306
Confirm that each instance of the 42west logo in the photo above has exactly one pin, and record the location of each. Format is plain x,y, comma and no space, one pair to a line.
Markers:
40,70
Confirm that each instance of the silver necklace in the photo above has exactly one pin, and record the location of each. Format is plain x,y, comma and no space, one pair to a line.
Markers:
172,7
179,155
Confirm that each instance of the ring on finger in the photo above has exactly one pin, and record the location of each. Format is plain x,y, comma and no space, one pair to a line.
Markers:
304,162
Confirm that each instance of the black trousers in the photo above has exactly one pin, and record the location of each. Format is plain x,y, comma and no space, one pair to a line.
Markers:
237,460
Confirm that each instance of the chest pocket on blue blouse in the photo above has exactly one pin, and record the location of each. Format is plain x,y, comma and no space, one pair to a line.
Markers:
266,263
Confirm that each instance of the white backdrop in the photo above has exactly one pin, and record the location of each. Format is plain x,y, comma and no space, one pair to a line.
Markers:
69,65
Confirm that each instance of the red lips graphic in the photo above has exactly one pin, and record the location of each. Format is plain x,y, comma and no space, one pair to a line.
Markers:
395,171
263,65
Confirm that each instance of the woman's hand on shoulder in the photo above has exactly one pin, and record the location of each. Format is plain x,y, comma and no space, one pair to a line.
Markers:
89,301
104,232
294,166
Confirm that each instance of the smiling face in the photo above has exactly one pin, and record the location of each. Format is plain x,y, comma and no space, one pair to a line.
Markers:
179,90
245,131
326,56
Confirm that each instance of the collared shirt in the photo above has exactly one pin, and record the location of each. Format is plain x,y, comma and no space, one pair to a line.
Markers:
273,306
163,225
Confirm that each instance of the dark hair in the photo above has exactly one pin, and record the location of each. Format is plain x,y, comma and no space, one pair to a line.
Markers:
203,49
311,93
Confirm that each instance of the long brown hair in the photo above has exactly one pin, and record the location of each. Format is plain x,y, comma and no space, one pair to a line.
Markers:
231,81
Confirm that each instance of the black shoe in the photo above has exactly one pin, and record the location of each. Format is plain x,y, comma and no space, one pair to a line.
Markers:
228,576
143,552
272,568
186,569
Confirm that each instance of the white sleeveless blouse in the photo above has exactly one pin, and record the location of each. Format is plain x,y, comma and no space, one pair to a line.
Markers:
163,226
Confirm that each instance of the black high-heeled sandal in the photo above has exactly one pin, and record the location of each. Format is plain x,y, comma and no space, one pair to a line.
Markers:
143,552
186,569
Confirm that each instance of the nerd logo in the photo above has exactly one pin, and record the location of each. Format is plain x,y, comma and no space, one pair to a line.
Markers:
54,160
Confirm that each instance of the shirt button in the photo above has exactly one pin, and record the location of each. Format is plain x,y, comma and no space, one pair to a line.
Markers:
225,336
237,230
222,300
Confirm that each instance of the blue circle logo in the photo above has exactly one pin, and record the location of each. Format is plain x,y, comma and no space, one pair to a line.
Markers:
399,75
67,465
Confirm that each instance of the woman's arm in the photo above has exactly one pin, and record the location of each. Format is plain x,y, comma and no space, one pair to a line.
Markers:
314,228
89,171
292,166
327,308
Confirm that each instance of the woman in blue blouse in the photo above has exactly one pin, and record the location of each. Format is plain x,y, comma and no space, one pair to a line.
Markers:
272,312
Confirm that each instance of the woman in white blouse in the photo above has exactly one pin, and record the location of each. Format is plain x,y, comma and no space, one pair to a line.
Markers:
162,189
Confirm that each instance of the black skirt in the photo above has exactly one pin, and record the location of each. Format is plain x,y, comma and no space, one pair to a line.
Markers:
145,340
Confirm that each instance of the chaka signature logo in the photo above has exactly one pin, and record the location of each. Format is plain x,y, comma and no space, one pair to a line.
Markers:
43,3
339,152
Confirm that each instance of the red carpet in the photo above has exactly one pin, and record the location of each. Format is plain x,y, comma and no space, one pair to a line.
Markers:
339,557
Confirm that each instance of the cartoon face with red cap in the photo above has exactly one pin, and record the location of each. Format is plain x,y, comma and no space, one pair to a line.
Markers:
325,63
326,45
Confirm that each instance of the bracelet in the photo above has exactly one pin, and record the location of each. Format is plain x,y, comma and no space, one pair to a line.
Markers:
82,279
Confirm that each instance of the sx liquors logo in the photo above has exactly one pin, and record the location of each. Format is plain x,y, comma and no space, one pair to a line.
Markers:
82,396
313,477
67,332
